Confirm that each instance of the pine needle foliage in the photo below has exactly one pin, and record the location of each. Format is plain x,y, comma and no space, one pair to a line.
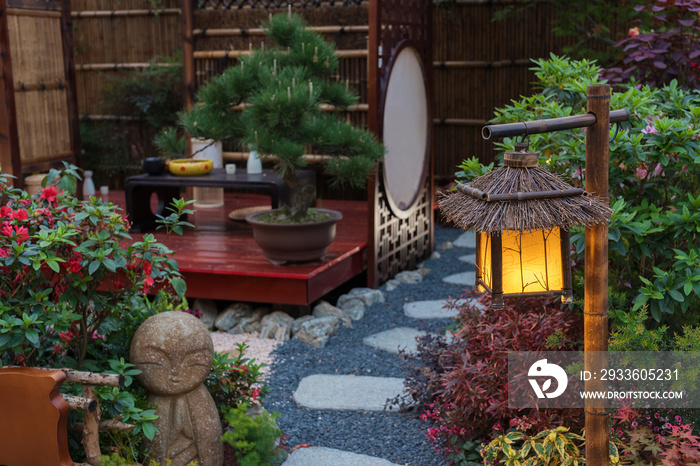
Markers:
281,90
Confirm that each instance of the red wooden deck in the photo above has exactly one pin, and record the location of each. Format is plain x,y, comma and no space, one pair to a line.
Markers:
220,260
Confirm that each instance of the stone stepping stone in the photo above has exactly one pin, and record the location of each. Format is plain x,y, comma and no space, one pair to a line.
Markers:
464,278
468,258
432,309
359,393
392,340
466,240
321,456
428,310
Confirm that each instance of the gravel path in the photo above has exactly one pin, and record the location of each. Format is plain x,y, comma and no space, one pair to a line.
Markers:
397,437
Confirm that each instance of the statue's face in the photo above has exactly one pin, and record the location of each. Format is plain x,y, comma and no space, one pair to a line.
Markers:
173,373
173,352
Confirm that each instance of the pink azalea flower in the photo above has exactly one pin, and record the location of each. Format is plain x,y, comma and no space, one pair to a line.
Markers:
659,170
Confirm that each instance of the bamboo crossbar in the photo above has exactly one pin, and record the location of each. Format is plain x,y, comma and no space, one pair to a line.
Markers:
458,122
94,378
254,6
118,66
36,13
261,32
481,63
549,125
324,107
211,54
80,403
111,117
50,86
477,193
122,13
243,156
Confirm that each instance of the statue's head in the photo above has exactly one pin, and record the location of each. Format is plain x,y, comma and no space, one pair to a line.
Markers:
174,352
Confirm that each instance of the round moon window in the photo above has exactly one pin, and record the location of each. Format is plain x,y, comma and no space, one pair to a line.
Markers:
405,131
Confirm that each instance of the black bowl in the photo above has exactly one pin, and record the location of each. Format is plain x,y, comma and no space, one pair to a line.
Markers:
153,165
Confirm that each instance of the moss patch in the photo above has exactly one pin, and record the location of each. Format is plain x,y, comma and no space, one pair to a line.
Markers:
284,217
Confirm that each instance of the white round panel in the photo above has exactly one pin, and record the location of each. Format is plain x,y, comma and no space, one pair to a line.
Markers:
405,130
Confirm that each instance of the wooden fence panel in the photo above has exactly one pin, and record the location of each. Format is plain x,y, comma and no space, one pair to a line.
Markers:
479,64
114,38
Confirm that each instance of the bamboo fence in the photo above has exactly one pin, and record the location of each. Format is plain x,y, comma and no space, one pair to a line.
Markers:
41,87
479,64
113,38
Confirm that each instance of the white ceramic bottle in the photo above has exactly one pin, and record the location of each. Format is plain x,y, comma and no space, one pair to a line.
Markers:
254,165
88,185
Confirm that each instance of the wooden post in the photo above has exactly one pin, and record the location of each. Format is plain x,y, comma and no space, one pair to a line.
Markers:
71,92
188,51
596,275
91,429
373,90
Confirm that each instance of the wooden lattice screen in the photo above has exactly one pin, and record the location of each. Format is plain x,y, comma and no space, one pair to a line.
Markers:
39,123
399,238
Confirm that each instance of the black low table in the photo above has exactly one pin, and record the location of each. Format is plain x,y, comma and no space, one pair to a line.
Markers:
139,189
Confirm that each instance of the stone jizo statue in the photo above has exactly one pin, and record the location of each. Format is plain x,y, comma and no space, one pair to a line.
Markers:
174,352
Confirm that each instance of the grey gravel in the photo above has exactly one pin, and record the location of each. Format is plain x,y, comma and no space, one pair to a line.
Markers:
396,437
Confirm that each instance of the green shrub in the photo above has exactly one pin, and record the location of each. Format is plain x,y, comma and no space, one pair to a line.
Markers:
254,438
550,447
654,174
236,380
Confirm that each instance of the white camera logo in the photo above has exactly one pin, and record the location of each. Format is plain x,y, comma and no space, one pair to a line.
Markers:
543,369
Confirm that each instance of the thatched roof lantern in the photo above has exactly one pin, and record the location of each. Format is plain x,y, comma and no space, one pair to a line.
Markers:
522,214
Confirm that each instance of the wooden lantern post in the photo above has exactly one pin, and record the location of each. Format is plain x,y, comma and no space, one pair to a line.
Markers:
595,309
597,120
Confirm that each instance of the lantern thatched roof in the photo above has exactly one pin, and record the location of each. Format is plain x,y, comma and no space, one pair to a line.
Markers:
521,198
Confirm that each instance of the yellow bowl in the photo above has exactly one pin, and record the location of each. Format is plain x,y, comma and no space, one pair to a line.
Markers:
190,167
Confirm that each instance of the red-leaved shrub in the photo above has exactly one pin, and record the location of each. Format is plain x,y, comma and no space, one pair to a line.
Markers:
472,401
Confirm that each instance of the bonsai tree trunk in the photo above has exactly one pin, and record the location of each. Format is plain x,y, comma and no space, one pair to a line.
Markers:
302,195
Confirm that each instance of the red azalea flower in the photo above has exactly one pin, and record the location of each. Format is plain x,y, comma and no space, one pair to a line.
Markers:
49,194
20,215
147,284
22,233
74,266
5,211
7,230
66,336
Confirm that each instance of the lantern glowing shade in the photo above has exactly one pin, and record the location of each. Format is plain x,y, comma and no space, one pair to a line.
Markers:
521,214
529,263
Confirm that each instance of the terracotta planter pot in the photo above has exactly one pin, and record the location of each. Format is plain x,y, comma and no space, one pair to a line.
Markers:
282,243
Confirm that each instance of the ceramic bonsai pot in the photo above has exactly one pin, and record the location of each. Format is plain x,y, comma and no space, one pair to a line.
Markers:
283,242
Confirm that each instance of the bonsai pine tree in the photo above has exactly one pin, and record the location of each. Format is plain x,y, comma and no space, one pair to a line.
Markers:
281,90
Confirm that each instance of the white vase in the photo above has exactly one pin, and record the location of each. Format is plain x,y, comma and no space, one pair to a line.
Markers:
88,185
254,165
